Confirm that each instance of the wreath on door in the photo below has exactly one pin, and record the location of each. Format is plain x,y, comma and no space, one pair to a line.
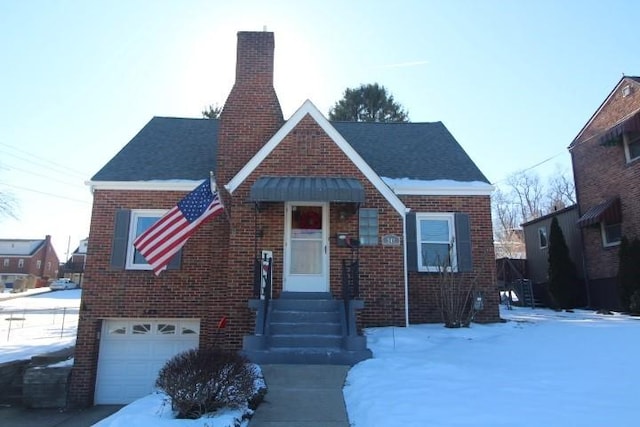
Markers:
310,220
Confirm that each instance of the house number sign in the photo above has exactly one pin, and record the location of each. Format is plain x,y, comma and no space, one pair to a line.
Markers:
391,240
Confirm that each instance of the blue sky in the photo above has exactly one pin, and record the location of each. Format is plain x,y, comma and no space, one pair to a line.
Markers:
514,81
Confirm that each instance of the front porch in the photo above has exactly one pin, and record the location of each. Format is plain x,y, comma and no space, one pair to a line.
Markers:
307,327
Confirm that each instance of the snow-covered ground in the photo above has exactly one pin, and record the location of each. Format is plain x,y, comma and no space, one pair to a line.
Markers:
41,322
540,368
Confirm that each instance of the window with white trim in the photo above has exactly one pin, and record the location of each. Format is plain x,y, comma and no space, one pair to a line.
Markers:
38,264
611,234
543,241
631,146
5,263
141,220
20,263
436,234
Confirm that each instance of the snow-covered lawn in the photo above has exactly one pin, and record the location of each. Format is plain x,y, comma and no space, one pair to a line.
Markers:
540,368
38,323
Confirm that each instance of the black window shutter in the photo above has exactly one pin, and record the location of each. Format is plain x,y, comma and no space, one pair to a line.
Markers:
412,242
175,262
120,239
463,242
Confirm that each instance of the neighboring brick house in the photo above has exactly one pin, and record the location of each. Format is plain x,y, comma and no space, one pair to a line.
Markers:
304,190
22,257
606,168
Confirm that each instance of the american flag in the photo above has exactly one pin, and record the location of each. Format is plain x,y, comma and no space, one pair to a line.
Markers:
160,242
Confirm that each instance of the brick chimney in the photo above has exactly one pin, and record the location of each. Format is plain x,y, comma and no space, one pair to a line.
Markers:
252,113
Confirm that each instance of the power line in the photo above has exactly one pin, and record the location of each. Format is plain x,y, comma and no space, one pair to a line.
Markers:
46,162
44,193
46,176
531,167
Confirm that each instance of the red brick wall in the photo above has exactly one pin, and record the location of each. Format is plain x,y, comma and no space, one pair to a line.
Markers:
424,287
251,114
601,172
196,291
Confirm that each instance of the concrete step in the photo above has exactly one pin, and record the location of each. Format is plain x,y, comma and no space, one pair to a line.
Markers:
305,304
291,316
305,341
313,328
306,295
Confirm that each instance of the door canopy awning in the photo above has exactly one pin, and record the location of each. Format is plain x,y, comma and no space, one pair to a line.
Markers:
614,135
307,189
609,212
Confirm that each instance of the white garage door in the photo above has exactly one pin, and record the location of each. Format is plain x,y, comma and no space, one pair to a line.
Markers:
132,351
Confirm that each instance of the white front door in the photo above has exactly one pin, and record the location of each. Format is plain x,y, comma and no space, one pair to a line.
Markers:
306,247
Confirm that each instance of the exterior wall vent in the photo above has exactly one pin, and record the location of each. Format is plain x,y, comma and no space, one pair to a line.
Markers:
626,91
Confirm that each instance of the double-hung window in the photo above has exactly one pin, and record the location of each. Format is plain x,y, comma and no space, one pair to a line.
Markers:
632,146
611,234
129,224
141,220
438,240
436,237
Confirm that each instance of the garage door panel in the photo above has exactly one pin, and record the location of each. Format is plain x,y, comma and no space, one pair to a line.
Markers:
128,362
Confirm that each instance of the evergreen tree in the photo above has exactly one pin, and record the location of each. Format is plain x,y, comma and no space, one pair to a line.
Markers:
368,103
563,283
212,112
628,271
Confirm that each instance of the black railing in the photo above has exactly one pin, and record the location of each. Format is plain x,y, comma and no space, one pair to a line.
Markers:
262,275
350,290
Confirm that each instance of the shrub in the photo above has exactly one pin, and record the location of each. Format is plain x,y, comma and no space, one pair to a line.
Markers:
201,381
628,271
634,304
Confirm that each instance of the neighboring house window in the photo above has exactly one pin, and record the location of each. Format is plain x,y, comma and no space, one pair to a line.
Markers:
49,266
140,222
434,239
38,264
20,263
129,224
6,262
611,234
368,227
542,237
632,146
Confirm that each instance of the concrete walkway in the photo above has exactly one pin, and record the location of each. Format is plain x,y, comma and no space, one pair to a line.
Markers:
302,396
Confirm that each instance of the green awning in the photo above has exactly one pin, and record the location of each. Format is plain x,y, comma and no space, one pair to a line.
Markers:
307,189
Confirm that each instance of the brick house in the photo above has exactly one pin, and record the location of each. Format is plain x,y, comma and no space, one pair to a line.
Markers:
338,210
605,156
22,257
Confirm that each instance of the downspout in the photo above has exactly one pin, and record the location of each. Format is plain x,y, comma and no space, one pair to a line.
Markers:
583,249
406,273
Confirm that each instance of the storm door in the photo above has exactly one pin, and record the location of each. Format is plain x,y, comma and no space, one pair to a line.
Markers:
306,248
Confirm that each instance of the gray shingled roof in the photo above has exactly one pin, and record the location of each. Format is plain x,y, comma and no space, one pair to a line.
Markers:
178,148
166,148
17,247
421,151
